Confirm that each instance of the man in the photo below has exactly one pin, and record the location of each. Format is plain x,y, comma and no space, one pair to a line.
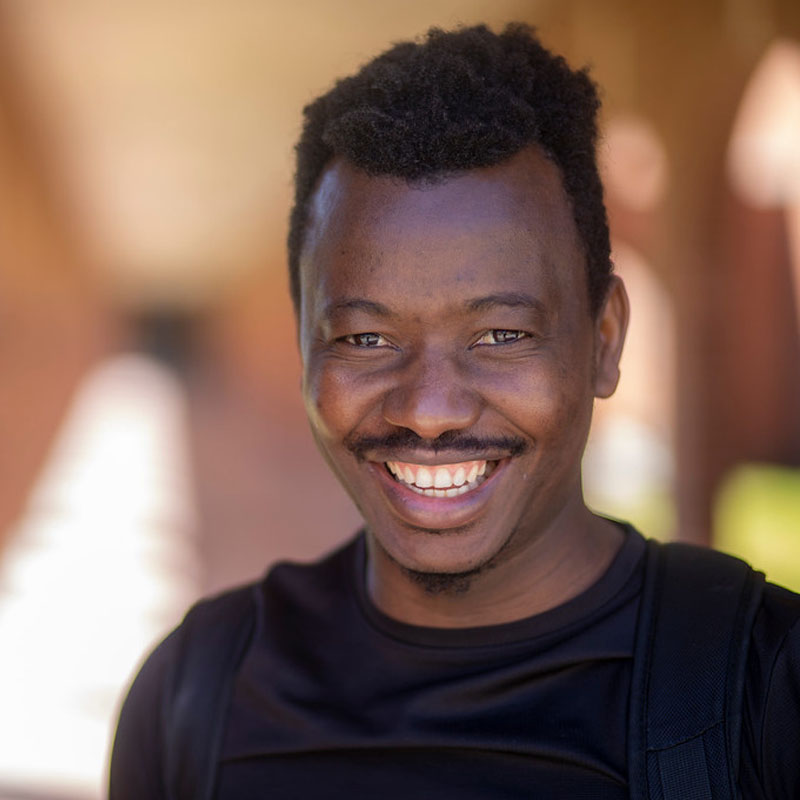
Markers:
457,316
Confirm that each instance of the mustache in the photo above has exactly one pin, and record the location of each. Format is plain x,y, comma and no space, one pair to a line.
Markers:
452,441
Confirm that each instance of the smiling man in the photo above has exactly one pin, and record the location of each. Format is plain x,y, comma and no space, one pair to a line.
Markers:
485,635
452,353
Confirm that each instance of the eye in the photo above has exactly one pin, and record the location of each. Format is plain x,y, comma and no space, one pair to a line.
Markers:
365,340
500,336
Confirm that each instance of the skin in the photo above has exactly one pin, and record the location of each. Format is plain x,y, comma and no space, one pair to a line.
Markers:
446,322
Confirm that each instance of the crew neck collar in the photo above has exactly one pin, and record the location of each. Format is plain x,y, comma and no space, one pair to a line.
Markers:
576,612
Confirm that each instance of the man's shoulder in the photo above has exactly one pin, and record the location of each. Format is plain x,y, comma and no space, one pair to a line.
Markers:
286,584
781,604
774,657
283,582
777,617
177,683
328,573
771,735
776,630
288,592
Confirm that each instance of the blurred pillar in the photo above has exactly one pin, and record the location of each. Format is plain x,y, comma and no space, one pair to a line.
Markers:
758,391
52,321
691,75
760,366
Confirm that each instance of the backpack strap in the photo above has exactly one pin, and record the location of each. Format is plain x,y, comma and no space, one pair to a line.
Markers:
692,638
214,637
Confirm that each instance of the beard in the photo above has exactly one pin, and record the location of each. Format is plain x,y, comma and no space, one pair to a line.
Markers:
448,583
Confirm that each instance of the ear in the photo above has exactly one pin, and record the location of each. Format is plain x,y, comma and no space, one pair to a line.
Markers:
609,336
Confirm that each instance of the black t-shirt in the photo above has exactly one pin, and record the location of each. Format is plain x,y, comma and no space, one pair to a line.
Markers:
336,700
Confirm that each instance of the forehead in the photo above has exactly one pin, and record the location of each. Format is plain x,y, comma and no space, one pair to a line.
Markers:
502,228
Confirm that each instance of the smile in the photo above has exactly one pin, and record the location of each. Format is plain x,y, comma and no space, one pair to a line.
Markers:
441,480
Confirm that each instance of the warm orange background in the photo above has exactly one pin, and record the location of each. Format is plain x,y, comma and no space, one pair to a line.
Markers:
152,443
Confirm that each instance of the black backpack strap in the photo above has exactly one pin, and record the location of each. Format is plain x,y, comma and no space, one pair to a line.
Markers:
692,638
214,637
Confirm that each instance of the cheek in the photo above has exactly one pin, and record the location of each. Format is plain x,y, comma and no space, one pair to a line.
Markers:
552,405
332,401
321,398
541,391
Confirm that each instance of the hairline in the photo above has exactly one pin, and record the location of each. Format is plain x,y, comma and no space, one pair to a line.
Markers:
431,179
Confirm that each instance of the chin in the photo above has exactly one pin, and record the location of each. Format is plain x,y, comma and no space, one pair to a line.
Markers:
445,583
451,558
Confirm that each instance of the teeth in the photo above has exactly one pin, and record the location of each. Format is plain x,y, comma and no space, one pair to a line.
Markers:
447,480
424,478
452,492
442,479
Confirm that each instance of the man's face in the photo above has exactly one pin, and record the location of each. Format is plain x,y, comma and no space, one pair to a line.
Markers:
450,357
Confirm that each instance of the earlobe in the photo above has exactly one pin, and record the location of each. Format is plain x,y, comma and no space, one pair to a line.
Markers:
610,328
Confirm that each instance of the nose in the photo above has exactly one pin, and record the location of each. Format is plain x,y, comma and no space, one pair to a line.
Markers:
431,395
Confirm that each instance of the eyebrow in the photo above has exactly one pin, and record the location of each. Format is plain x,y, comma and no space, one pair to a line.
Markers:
507,299
357,304
477,304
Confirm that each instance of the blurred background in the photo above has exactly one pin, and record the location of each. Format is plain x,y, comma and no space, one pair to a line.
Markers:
152,443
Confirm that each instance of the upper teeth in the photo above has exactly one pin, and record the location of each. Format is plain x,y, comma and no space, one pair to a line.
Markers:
441,477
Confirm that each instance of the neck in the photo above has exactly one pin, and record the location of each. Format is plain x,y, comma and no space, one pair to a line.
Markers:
559,564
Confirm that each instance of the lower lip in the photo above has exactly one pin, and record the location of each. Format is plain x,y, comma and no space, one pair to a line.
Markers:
436,513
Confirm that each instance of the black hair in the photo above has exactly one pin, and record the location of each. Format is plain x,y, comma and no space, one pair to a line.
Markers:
457,101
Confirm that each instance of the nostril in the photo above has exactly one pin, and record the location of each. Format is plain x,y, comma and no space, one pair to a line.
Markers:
432,406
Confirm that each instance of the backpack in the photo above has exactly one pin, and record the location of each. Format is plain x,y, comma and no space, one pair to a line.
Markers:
685,710
692,638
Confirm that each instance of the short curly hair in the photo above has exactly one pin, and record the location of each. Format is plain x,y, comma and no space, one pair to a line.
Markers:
457,101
